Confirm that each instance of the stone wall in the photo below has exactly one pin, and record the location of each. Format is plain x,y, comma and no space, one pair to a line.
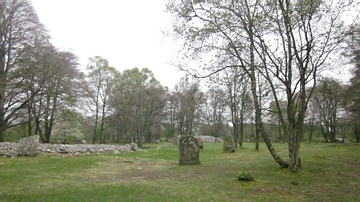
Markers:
209,139
10,149
203,138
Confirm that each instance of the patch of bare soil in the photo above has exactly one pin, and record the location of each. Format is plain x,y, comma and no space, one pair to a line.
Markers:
125,170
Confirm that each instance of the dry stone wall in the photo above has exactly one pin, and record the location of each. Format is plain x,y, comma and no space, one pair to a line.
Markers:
12,149
209,139
203,138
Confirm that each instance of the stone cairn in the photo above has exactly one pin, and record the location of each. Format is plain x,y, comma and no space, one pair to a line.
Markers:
189,150
228,144
28,147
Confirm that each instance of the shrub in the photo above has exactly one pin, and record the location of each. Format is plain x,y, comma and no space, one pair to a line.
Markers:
245,176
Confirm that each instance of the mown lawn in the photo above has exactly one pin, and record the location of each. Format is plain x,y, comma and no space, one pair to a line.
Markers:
331,172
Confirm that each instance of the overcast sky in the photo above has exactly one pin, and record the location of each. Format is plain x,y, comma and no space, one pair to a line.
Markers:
126,33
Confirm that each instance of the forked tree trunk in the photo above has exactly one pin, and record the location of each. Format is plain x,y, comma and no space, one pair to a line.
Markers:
294,150
259,125
272,150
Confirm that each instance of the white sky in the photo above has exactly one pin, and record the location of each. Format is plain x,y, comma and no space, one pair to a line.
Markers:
126,33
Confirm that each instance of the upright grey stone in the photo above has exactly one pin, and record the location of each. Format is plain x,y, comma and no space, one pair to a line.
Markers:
200,143
176,139
228,144
28,146
188,150
134,147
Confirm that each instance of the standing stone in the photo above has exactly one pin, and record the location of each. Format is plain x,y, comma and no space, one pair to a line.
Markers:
188,150
176,139
28,146
200,143
228,144
217,139
134,147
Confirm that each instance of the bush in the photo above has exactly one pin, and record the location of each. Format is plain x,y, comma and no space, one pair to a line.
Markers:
245,176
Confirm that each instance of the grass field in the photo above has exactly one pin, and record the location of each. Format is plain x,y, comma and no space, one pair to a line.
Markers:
331,172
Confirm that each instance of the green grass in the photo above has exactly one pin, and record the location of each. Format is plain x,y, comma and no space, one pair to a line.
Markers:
331,172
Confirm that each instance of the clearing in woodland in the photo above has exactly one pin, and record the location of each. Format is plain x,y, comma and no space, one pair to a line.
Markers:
330,172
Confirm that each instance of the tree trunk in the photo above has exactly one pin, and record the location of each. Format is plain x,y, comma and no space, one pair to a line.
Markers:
272,150
38,130
258,120
256,136
95,127
235,121
294,148
47,133
103,114
259,125
356,131
2,93
311,128
30,120
241,126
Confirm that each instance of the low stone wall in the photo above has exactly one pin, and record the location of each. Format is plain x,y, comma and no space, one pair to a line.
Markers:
10,149
203,138
209,139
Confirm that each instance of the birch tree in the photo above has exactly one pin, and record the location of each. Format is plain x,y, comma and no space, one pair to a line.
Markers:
286,42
